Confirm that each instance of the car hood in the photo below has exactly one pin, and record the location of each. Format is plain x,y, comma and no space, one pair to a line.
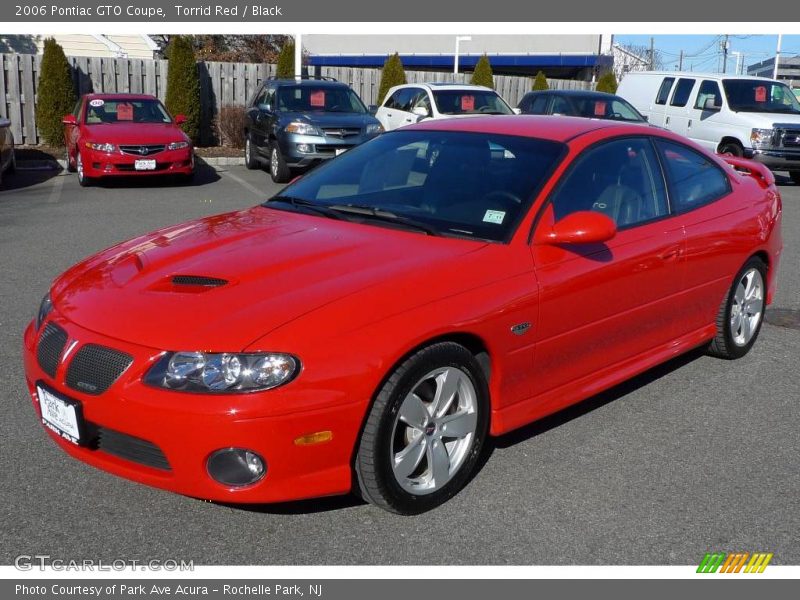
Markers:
272,266
322,119
135,133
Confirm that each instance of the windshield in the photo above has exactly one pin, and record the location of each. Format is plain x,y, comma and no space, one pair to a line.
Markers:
297,98
599,107
126,111
467,102
757,95
454,183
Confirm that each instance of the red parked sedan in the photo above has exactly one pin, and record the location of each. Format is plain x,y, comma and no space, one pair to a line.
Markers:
125,134
372,324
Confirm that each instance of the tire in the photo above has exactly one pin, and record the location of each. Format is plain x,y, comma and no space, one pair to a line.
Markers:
12,164
736,334
82,179
278,169
405,420
250,154
795,175
731,149
70,166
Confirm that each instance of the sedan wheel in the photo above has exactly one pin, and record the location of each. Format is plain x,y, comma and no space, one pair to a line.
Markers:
742,312
250,159
425,431
82,179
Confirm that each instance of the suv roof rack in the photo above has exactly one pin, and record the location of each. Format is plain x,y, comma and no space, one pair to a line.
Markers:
304,77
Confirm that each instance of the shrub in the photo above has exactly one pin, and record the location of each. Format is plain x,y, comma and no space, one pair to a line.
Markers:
392,74
56,93
231,123
607,83
540,82
183,85
285,68
482,75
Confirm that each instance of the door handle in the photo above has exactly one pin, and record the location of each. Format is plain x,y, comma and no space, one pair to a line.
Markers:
670,255
690,123
388,114
666,122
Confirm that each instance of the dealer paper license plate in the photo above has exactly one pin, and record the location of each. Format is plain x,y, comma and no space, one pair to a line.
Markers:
144,165
60,415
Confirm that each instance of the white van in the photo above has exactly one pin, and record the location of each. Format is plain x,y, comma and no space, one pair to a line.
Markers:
743,116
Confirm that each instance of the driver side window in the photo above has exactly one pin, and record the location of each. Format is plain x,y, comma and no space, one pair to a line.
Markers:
621,179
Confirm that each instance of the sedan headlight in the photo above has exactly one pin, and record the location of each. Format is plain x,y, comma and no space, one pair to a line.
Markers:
374,129
45,308
177,145
101,147
762,138
222,372
302,128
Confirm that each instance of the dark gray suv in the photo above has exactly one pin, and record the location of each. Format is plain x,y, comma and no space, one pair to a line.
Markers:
295,125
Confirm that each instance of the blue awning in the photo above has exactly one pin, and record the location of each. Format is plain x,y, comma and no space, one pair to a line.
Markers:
445,61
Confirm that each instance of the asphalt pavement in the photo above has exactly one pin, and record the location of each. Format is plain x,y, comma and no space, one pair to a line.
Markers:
697,455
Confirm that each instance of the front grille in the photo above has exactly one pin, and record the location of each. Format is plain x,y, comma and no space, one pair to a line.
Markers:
331,148
791,138
341,132
144,150
95,368
51,345
131,448
198,280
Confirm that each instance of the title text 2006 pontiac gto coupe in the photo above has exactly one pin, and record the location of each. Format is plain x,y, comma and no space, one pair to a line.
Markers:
370,326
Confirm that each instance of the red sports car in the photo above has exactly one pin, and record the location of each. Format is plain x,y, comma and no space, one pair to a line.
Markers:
372,324
125,134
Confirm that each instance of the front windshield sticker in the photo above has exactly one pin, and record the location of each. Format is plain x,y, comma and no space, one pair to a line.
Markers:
599,108
125,112
761,94
97,102
467,102
317,98
494,216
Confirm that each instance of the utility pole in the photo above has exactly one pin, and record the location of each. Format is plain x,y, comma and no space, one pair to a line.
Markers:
725,55
652,53
680,62
777,56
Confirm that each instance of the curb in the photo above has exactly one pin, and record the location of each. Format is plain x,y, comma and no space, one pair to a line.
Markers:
221,161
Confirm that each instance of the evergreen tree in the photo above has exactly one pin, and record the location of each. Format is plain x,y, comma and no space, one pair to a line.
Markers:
482,75
56,93
607,83
392,74
183,85
540,83
285,68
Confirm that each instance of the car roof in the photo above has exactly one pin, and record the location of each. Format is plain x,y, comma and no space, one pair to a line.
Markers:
443,85
697,75
546,127
110,96
309,82
575,93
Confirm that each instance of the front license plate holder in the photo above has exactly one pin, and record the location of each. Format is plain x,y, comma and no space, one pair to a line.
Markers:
62,415
144,165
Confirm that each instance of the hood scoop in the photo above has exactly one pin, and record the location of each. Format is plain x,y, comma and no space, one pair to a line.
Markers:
198,280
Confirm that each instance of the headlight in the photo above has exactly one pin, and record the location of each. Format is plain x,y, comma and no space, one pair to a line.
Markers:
762,138
101,147
222,373
302,128
374,129
177,145
45,308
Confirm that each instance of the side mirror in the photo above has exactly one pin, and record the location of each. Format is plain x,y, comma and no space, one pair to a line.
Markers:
517,111
265,107
180,119
582,227
646,118
372,108
420,111
710,104
69,120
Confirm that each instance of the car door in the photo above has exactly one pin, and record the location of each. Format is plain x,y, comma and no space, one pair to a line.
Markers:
701,196
677,116
706,126
603,306
259,116
390,114
658,111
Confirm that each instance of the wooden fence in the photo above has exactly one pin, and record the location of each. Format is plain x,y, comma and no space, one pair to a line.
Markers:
221,84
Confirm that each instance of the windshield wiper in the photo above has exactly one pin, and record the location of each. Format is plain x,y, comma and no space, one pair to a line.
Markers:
306,205
374,212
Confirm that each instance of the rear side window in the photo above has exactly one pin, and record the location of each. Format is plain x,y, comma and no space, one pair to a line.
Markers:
694,179
561,106
682,92
401,99
663,91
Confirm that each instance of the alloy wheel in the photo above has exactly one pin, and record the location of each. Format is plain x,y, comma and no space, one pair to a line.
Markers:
747,307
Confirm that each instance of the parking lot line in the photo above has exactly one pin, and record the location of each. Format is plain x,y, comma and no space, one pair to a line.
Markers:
249,187
57,185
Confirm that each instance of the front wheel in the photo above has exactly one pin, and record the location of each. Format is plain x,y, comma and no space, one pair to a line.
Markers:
424,434
83,180
68,160
741,312
250,155
731,149
278,169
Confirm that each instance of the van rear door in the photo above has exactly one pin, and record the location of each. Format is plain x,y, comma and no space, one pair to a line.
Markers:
658,107
677,119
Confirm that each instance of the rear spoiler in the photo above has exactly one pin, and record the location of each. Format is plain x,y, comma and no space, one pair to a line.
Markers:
752,168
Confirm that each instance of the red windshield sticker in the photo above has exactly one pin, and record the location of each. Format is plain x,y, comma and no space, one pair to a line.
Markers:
318,98
761,94
599,108
124,112
467,102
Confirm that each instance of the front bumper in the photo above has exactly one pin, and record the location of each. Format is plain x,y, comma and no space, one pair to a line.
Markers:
302,151
168,162
188,428
777,160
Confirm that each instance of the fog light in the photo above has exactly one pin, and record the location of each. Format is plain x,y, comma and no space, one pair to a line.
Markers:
307,148
236,466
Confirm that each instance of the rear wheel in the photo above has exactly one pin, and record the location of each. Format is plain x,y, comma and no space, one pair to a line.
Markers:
731,148
250,154
425,431
795,175
278,169
742,312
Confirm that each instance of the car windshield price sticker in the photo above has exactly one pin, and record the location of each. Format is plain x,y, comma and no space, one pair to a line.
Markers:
467,102
599,108
318,98
761,94
124,112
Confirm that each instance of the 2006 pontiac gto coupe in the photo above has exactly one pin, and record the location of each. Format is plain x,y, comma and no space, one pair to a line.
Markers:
372,324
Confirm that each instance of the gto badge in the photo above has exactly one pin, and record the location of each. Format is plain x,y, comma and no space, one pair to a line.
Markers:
521,328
